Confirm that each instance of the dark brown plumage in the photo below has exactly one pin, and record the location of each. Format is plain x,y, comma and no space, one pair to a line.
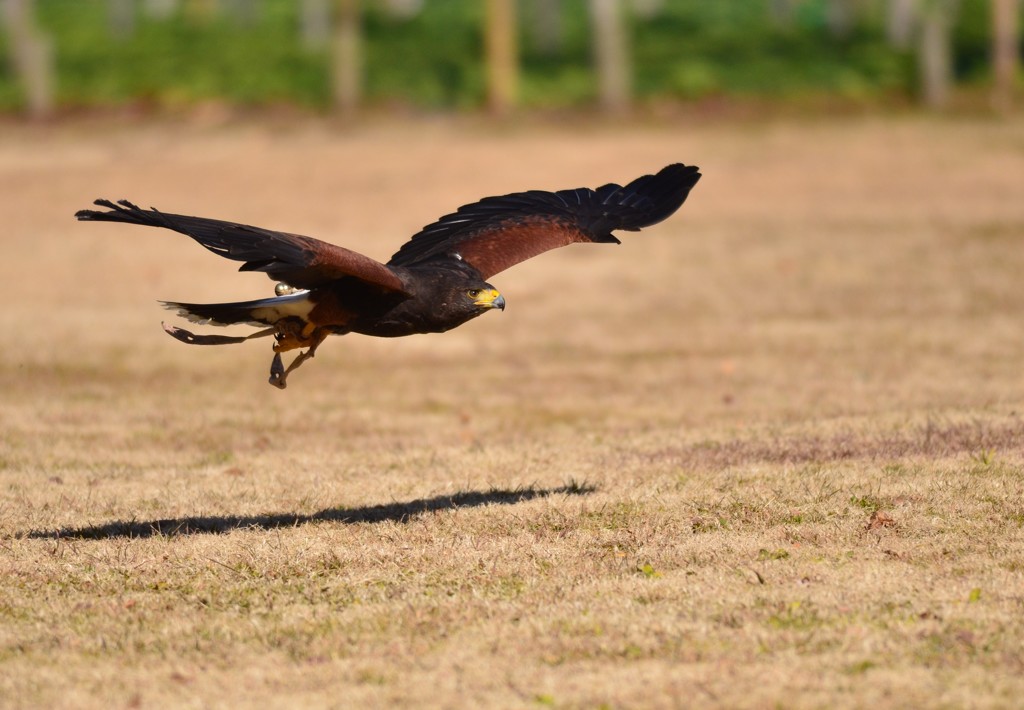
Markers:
435,282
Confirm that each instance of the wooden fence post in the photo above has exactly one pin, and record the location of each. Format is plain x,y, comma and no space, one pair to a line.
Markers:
1005,52
32,57
501,39
347,60
611,55
935,50
503,55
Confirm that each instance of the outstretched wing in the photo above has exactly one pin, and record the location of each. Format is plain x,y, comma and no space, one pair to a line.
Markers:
299,261
498,232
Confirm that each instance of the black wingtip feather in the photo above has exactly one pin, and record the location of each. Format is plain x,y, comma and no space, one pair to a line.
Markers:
647,200
122,211
85,215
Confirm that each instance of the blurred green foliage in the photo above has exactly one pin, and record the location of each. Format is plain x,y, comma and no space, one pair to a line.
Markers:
690,49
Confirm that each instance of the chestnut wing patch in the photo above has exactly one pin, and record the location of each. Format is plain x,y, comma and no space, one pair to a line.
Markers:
305,262
499,246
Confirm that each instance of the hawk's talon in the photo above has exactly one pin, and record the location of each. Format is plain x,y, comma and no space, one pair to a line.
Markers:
277,372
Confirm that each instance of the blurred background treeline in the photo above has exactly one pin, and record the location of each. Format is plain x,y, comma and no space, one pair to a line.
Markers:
501,55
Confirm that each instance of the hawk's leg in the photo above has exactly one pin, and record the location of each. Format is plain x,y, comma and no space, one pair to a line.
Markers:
279,374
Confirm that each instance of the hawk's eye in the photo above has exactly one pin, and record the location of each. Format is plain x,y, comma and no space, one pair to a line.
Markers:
474,293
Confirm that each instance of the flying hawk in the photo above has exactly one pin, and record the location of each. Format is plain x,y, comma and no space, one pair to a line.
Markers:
435,282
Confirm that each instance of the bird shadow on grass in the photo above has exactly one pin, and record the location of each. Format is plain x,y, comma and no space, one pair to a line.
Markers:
394,512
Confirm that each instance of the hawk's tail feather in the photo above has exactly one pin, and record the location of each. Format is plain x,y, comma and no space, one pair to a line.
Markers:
214,313
265,311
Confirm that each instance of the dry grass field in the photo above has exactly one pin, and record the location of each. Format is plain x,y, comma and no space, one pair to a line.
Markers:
768,453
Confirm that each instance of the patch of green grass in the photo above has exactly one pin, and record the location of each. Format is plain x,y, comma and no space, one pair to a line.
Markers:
796,615
619,516
860,667
983,460
704,524
648,571
765,555
867,502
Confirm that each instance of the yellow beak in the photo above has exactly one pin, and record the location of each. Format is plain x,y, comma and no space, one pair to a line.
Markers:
489,298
